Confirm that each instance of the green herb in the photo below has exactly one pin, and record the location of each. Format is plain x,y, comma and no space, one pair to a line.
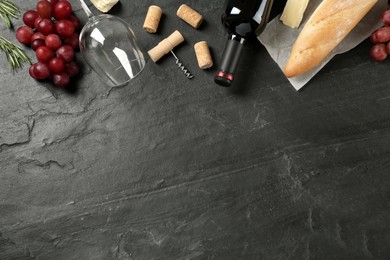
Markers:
15,55
8,10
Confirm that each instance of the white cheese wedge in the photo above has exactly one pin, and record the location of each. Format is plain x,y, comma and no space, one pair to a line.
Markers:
293,12
104,5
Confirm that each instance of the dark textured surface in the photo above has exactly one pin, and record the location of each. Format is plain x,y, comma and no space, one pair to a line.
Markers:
167,168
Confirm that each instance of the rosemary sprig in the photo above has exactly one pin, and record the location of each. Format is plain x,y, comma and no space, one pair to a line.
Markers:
14,54
8,10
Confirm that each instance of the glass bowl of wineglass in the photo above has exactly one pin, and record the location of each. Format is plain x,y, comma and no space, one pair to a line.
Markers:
109,46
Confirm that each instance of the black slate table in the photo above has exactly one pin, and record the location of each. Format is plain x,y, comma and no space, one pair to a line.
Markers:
171,168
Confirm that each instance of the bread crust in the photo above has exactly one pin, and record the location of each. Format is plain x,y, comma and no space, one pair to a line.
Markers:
329,24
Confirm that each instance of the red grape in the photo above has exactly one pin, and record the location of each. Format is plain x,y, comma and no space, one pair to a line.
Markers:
37,21
29,18
44,9
37,35
73,40
65,28
53,41
41,70
75,21
378,52
386,17
61,79
56,64
37,43
24,34
382,34
373,38
44,54
72,69
52,2
388,48
66,52
62,10
31,71
46,26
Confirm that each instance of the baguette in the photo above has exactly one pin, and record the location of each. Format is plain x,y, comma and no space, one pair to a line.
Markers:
325,29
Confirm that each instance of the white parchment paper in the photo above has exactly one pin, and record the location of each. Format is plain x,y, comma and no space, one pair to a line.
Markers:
278,39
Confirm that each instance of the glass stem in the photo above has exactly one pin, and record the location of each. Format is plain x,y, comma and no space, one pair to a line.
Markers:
85,8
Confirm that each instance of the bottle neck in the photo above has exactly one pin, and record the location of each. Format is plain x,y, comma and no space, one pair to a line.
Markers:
230,59
243,19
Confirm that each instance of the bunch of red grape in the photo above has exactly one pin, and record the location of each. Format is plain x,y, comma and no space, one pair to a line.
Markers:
52,31
381,39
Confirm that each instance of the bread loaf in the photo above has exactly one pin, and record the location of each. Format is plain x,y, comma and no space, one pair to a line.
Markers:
325,29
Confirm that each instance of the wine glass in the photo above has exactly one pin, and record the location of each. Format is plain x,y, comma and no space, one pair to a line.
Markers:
108,45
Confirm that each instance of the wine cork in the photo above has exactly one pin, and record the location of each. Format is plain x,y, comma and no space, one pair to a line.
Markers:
190,16
104,5
203,55
166,46
152,19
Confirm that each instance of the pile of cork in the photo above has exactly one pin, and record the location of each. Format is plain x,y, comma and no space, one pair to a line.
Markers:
191,17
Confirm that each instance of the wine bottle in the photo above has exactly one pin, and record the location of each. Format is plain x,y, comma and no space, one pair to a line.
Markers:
243,19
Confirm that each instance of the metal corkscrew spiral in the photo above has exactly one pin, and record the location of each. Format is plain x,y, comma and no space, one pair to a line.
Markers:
186,72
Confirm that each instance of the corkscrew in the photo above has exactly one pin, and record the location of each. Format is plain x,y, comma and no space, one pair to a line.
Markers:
166,46
182,67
